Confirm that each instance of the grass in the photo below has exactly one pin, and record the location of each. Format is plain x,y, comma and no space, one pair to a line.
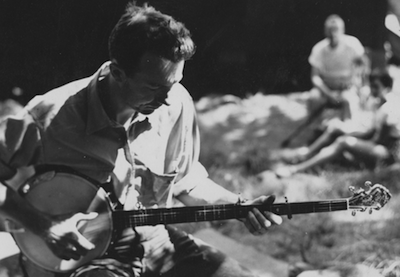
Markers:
319,240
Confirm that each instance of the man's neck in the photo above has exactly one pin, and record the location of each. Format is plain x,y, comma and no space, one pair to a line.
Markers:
335,44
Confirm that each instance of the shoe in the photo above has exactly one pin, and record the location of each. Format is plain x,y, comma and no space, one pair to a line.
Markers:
284,172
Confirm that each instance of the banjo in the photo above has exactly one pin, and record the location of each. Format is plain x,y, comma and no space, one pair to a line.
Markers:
56,193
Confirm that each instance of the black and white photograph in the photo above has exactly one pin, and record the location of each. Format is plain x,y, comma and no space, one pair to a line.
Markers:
187,138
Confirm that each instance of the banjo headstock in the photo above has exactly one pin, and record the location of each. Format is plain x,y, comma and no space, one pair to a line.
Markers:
374,198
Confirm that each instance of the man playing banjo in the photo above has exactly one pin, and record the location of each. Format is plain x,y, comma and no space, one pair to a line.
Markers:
132,127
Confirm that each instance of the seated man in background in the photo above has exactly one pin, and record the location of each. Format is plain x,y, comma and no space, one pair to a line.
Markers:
377,146
336,63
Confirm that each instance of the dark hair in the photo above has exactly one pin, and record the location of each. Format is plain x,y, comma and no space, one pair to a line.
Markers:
382,76
144,29
334,18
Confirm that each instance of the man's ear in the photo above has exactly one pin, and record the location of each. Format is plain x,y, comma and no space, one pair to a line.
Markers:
117,72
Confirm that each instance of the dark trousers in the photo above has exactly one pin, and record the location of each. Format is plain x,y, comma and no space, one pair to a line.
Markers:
192,258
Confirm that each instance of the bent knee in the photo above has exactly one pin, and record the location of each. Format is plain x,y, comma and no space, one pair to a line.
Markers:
346,141
335,126
381,152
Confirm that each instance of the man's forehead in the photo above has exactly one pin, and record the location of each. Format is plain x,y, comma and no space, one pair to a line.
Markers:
160,69
334,24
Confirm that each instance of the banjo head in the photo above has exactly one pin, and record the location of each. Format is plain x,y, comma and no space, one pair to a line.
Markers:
58,193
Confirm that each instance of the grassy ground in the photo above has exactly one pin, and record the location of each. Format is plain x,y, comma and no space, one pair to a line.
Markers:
241,142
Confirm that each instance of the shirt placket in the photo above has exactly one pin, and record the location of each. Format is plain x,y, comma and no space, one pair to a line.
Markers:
131,195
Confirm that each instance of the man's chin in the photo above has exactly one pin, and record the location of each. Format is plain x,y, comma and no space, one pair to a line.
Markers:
147,110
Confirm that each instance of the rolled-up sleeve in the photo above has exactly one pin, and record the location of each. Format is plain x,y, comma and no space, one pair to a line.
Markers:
195,177
186,141
19,143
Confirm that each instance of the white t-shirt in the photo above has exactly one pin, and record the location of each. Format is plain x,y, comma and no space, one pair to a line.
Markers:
336,65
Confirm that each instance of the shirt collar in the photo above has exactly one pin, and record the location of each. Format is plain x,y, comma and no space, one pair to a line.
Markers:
97,117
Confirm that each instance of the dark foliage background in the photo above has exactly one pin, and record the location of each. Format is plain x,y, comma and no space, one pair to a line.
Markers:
243,45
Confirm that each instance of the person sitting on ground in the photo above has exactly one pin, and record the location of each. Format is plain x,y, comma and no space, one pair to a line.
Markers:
359,125
377,146
336,62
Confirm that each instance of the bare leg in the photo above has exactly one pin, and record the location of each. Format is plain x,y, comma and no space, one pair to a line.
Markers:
332,131
325,155
366,150
362,149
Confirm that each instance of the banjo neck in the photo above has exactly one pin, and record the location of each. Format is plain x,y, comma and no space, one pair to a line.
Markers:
123,219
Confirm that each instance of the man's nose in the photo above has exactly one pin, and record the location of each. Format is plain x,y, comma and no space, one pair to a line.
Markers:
162,95
163,91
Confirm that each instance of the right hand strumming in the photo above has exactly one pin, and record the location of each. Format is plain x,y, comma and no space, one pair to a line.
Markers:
64,239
